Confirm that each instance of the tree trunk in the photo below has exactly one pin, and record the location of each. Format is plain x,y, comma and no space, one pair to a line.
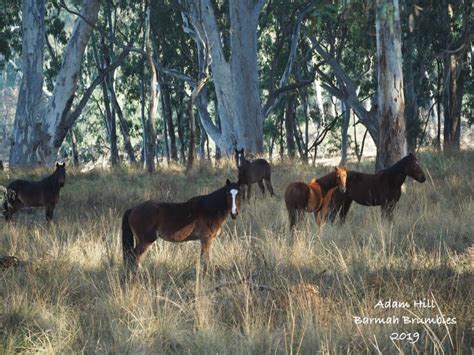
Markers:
153,105
411,108
179,121
75,151
51,127
124,126
168,116
289,118
27,117
453,62
346,116
391,145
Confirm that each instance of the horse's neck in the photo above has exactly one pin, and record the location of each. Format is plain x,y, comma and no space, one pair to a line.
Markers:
216,203
52,180
396,173
327,182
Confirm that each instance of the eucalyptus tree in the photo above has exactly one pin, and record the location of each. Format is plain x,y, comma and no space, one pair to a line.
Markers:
40,129
234,68
392,145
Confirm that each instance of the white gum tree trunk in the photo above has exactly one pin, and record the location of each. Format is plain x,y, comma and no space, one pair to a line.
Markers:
37,139
391,145
236,78
31,88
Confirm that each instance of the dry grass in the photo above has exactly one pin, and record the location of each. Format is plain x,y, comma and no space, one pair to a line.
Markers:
268,292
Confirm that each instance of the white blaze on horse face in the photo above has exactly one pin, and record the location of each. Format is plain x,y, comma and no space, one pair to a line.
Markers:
234,193
239,162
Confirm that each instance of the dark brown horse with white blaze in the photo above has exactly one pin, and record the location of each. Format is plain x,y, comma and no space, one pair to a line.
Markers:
253,171
24,193
383,188
313,197
200,218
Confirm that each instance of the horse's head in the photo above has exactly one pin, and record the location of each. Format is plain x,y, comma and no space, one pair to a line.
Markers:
413,169
60,173
239,157
341,178
233,198
314,200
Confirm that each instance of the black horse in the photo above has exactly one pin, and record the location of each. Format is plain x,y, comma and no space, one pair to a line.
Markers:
253,171
383,188
24,193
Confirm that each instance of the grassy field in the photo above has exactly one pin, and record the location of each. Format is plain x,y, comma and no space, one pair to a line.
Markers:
267,292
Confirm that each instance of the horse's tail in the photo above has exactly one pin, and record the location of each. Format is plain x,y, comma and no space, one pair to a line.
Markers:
127,239
9,198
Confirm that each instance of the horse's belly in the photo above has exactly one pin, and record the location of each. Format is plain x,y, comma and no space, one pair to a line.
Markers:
182,234
35,200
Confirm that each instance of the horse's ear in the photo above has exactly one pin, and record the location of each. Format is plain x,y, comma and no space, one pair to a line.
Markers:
235,149
57,165
227,182
242,150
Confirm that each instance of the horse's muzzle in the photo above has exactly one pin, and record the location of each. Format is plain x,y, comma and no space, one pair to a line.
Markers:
234,215
421,178
342,190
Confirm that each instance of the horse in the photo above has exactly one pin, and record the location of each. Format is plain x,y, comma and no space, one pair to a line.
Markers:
250,172
383,188
24,193
301,197
200,218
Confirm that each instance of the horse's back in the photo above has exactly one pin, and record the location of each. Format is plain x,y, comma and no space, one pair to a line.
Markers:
296,195
173,221
30,193
259,169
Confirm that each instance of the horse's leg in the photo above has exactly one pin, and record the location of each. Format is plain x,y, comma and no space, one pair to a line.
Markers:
206,245
260,184
292,219
144,241
49,212
387,211
268,182
318,217
346,204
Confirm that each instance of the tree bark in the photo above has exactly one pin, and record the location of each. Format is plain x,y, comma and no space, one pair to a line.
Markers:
453,63
289,118
346,116
168,116
236,78
391,145
153,104
27,117
50,127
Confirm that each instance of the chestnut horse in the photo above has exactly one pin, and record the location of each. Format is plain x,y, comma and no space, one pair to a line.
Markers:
301,197
253,171
383,188
200,218
24,193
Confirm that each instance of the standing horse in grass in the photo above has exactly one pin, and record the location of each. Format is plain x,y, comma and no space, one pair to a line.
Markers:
200,218
254,171
24,193
301,197
383,188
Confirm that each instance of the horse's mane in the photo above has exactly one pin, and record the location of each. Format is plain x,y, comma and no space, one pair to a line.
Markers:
396,168
214,203
328,181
